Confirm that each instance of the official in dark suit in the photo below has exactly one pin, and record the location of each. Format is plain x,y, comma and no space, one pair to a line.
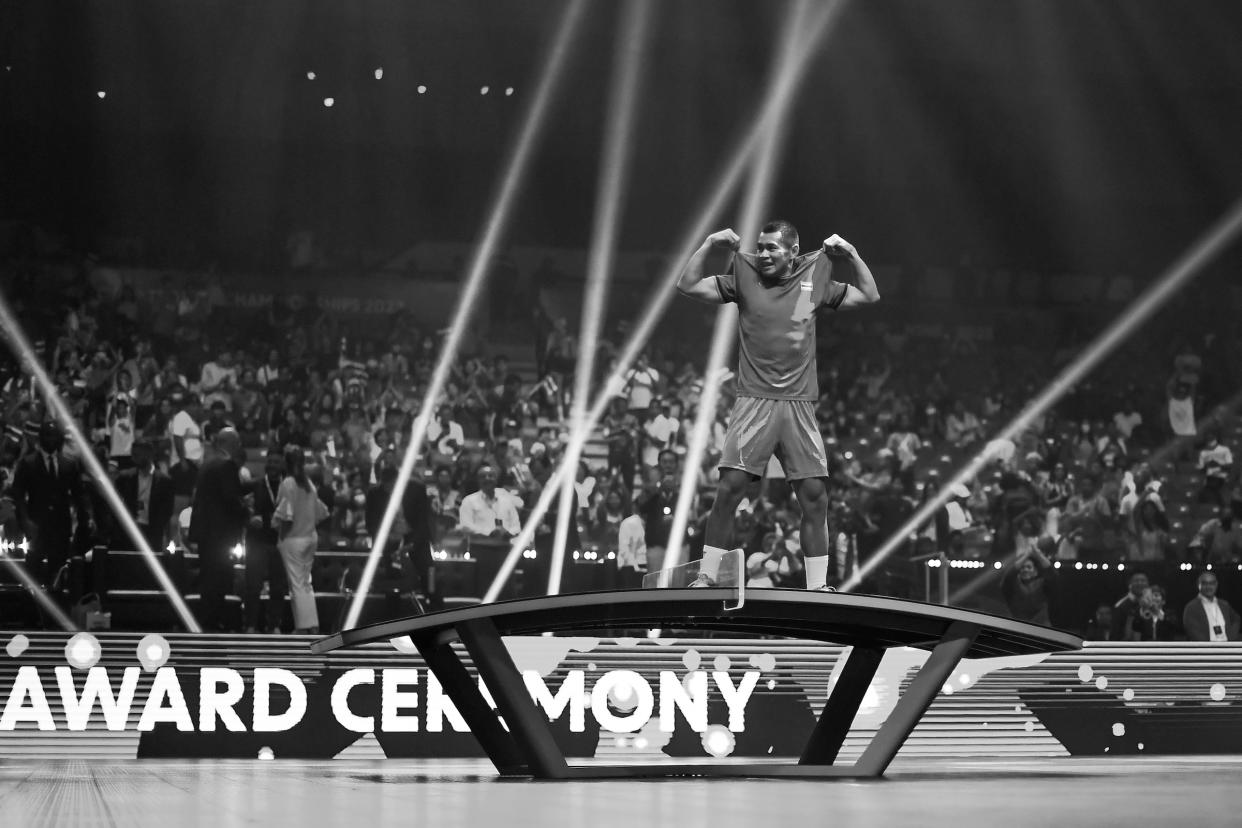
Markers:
148,497
1208,618
263,561
49,496
218,520
412,528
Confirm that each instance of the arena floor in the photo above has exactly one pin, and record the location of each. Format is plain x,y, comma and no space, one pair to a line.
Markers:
446,793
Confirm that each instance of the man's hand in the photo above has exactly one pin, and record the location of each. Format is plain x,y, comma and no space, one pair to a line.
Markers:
834,245
725,238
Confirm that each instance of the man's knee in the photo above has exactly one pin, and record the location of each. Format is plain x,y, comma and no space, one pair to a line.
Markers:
731,490
813,497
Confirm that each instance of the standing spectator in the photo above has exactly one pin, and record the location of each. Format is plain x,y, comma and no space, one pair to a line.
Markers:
657,513
445,436
148,496
1089,519
487,514
49,497
445,500
620,429
184,430
1100,627
1216,463
298,513
660,431
774,565
217,521
1219,541
1208,618
1152,622
263,561
411,529
218,380
120,431
1150,538
1127,606
1028,587
631,551
1128,418
962,427
640,384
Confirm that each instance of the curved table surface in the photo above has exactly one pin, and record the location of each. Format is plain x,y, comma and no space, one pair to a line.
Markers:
840,618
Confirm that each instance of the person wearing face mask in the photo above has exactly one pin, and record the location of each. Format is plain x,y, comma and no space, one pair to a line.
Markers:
49,496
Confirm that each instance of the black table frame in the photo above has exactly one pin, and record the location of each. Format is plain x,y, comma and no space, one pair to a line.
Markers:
867,623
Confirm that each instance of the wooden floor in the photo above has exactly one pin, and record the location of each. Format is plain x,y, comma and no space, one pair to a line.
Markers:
1187,791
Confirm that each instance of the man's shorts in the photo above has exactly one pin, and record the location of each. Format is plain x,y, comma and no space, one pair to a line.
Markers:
759,428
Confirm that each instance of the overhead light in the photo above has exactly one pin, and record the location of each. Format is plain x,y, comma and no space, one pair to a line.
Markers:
329,101
379,73
484,90
422,90
102,94
508,91
310,75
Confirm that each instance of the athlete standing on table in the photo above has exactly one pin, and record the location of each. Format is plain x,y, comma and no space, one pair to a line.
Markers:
777,293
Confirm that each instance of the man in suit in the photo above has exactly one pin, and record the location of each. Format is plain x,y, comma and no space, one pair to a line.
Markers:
148,496
412,526
217,522
49,496
263,561
1208,618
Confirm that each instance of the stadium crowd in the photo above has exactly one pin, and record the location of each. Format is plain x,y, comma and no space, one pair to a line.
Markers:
154,382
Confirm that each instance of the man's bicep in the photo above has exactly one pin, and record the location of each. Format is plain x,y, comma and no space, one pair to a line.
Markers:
709,290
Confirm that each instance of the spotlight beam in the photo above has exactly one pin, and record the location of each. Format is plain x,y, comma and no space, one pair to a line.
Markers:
32,586
613,173
515,168
21,345
1157,456
1191,263
727,180
724,329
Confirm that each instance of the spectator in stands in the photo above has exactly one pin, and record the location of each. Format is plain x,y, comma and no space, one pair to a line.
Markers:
774,565
620,430
445,436
120,430
489,515
1208,618
49,497
1028,587
905,445
1149,540
1128,418
409,548
1089,518
631,549
184,430
1100,627
148,497
263,560
445,500
297,515
640,387
1152,622
660,432
1219,541
962,427
657,514
217,419
218,380
218,519
1127,606
1216,463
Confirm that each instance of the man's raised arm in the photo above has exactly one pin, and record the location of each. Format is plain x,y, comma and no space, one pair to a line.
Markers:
694,280
866,292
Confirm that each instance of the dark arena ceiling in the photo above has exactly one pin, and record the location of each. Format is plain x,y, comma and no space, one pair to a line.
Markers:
1098,134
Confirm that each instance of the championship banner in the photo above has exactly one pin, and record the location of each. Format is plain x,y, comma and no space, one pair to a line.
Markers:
124,696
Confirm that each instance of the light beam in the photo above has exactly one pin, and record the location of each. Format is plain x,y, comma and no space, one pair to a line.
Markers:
1189,265
627,75
739,160
515,168
21,345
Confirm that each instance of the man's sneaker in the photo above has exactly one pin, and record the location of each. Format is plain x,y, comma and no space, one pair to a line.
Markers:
702,581
825,588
